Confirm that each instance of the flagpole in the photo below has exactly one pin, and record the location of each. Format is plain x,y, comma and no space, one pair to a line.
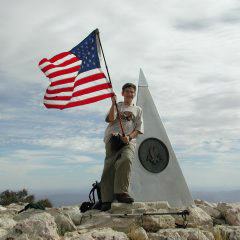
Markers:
118,114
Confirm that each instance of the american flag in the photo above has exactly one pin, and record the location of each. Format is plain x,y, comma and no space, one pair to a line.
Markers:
76,76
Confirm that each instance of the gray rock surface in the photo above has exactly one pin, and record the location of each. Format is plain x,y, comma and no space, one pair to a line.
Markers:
40,226
99,234
207,221
231,212
137,233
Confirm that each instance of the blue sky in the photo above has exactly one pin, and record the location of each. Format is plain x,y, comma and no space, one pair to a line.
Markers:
189,52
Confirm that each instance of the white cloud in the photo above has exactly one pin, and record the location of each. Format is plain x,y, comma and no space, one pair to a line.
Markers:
189,52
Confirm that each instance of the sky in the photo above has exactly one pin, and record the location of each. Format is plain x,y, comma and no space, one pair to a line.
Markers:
189,52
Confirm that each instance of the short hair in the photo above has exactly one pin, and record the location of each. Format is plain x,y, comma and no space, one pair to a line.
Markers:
128,85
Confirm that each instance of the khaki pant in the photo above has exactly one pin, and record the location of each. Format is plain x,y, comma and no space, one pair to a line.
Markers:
116,172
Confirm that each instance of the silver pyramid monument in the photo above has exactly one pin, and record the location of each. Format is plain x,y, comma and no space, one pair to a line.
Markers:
156,174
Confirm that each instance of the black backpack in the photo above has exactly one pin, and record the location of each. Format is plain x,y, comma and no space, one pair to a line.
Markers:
92,204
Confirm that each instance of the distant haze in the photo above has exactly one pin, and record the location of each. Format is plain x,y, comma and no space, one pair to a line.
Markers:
76,198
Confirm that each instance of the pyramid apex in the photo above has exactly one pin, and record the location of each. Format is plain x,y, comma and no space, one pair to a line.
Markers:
142,80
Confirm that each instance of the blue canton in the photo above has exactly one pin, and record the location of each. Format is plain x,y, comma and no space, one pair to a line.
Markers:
87,52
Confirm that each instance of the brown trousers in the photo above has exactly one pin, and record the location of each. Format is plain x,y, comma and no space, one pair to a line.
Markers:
116,171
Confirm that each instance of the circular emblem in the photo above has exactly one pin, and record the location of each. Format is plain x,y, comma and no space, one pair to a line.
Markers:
153,155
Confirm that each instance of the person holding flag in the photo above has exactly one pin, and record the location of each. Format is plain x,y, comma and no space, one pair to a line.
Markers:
125,123
76,79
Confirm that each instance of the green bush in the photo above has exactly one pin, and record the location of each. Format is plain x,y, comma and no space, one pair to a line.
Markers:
45,203
7,197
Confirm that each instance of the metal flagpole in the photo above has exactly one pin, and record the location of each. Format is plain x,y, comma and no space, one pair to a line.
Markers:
118,114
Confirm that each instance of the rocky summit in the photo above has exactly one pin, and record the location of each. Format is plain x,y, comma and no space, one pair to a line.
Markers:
220,221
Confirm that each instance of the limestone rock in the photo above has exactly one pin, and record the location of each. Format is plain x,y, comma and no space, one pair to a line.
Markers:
15,207
126,208
159,205
227,232
39,226
6,221
2,208
98,234
198,217
96,219
231,212
154,223
181,234
63,221
204,203
209,208
3,232
139,207
138,233
74,213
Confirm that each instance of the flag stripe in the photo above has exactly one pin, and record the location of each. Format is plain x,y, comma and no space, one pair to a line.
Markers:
66,63
77,98
54,68
92,89
55,58
65,76
98,79
56,91
64,71
90,79
64,81
59,61
81,102
59,92
60,98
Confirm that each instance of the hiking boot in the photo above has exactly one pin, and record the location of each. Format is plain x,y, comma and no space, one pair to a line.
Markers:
124,198
106,206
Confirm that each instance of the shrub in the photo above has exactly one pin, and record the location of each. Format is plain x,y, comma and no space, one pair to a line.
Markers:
7,197
45,203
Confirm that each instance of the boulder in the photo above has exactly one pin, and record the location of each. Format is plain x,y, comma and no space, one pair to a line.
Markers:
204,203
226,232
137,233
198,218
74,213
154,223
96,219
181,234
63,221
6,221
2,208
231,212
3,232
126,208
98,234
39,226
211,211
139,207
15,207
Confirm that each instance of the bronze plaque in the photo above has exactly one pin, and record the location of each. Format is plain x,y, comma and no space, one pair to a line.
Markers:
153,155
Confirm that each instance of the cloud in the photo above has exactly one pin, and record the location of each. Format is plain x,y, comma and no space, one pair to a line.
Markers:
189,53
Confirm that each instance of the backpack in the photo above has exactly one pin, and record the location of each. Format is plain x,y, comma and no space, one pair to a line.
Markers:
92,204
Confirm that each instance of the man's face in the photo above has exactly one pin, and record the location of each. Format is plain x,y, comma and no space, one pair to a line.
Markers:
128,94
